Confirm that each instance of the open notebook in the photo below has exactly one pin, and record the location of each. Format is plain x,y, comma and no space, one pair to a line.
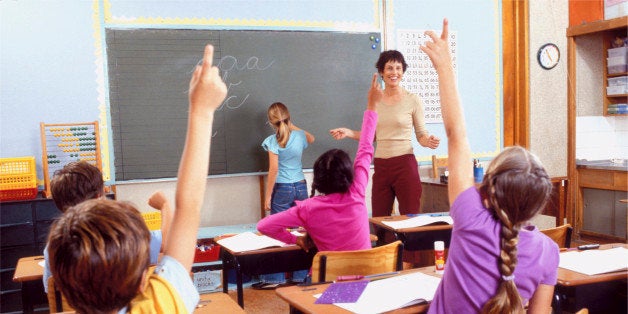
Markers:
395,292
418,221
249,241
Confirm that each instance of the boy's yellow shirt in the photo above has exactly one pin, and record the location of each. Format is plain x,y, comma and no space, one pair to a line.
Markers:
158,296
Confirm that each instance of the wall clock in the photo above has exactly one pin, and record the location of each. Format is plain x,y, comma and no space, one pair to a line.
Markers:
548,56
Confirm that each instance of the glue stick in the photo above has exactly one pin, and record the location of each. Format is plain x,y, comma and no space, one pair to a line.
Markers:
439,256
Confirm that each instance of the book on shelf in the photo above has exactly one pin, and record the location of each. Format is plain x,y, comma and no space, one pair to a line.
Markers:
249,241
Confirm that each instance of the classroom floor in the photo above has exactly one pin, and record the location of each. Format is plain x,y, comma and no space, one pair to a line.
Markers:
261,301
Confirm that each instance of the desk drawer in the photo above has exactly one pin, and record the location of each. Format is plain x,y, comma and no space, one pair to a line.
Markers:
12,213
6,280
46,210
9,256
17,234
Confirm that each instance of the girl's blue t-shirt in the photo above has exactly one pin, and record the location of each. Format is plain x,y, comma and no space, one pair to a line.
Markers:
290,165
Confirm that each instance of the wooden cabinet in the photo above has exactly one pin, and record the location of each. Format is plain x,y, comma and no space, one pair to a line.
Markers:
604,31
24,229
600,210
607,30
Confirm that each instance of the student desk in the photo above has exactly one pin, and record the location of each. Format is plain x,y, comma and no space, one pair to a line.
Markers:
569,282
30,274
301,298
264,261
414,239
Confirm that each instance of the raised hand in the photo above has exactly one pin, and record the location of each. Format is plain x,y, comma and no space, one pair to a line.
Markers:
438,48
207,90
340,133
375,94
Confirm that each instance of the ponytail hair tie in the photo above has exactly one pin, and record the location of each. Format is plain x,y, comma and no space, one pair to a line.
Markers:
508,278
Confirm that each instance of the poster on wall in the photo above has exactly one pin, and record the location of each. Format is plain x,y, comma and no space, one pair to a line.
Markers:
420,77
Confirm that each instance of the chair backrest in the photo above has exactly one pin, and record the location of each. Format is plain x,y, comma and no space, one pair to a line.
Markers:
327,265
561,235
437,163
56,302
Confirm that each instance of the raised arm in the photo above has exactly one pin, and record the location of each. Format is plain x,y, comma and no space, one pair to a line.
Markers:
159,202
459,163
207,91
308,136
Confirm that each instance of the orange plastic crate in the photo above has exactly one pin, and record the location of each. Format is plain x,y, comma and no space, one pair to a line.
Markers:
18,179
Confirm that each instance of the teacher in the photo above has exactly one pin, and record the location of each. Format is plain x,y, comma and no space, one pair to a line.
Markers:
400,114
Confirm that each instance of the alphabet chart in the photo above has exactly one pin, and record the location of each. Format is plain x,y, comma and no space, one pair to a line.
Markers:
420,77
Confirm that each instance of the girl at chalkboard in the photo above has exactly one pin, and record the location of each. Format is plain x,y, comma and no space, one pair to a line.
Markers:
286,182
337,218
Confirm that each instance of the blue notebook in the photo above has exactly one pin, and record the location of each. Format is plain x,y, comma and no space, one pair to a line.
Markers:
343,292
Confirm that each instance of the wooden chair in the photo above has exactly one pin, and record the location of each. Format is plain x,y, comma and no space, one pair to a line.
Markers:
56,302
561,235
327,265
437,163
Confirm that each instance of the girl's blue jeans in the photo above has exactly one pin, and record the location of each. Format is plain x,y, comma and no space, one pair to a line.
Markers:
283,197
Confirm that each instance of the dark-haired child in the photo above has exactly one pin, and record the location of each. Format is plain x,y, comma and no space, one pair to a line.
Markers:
497,263
336,220
80,181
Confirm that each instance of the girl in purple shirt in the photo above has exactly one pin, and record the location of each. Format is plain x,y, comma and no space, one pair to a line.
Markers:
496,263
337,219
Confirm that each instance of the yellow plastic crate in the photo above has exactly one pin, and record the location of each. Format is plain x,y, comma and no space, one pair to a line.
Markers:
18,179
153,220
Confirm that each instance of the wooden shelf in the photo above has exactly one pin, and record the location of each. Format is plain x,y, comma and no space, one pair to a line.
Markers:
597,26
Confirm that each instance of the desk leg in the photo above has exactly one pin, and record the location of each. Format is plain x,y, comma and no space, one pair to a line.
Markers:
27,302
557,300
226,265
239,283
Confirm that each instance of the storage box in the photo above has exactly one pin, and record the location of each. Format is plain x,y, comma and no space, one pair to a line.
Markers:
618,81
206,251
153,220
615,8
207,281
18,178
616,90
618,52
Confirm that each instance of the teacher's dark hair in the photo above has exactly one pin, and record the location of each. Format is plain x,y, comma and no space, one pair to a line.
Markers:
333,172
390,55
515,188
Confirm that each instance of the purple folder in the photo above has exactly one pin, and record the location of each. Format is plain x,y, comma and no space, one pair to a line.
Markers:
343,292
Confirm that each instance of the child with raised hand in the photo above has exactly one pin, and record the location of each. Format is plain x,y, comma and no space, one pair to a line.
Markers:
336,220
286,182
80,181
497,263
99,249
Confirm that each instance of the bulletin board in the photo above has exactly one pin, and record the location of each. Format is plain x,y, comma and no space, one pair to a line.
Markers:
68,142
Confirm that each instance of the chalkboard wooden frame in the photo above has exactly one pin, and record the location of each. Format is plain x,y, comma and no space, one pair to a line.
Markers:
323,78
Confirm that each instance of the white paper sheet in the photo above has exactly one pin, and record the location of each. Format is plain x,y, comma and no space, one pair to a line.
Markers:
393,293
248,241
418,221
592,262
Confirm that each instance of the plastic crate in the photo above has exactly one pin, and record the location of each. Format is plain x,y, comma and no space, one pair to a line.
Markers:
206,251
18,179
153,220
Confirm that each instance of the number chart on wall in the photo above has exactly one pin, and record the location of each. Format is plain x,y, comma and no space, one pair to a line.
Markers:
421,77
69,142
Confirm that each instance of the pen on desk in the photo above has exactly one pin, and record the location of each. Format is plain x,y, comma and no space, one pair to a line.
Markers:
309,289
429,214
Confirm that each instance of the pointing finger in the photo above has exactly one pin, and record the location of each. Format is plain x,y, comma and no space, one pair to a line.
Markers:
374,83
445,34
208,57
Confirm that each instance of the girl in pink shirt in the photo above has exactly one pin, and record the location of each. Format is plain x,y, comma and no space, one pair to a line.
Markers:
337,218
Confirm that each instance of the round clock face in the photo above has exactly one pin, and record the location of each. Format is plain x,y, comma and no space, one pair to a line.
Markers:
548,56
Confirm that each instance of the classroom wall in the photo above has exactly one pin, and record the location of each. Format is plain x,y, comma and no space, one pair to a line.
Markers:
52,68
548,88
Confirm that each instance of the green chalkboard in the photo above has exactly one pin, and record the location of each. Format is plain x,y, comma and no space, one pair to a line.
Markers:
323,78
